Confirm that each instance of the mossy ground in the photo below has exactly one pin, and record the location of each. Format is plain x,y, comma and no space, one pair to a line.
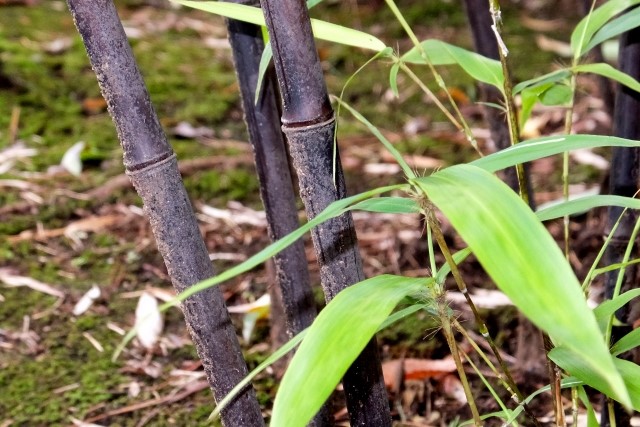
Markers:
187,82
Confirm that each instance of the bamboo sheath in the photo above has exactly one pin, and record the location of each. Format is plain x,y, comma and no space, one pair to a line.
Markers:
309,125
152,168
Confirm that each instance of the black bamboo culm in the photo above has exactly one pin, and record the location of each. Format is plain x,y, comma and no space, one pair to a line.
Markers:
309,125
272,165
623,181
152,168
276,183
485,43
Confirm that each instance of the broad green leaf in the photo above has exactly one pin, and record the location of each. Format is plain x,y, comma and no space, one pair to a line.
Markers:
529,98
477,66
605,310
592,23
533,149
627,342
290,345
394,205
608,71
584,204
557,94
615,27
321,29
334,340
575,364
334,209
524,261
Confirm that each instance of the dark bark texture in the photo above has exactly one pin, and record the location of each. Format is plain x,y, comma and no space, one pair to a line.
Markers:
294,295
272,164
152,167
623,181
309,126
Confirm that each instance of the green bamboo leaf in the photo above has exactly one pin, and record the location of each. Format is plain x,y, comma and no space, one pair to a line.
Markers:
477,66
334,209
458,257
374,130
589,25
321,29
592,421
394,205
584,204
608,71
534,149
565,383
627,342
393,79
524,261
333,341
552,77
290,345
605,310
265,60
615,27
557,94
575,364
277,355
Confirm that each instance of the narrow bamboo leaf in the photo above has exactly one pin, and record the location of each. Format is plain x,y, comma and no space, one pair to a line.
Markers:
529,97
290,345
524,261
605,310
592,421
393,79
615,27
387,144
277,355
334,209
334,340
584,204
265,59
574,363
608,71
627,342
477,66
616,266
321,29
394,205
534,149
566,383
557,94
592,23
458,257
552,77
